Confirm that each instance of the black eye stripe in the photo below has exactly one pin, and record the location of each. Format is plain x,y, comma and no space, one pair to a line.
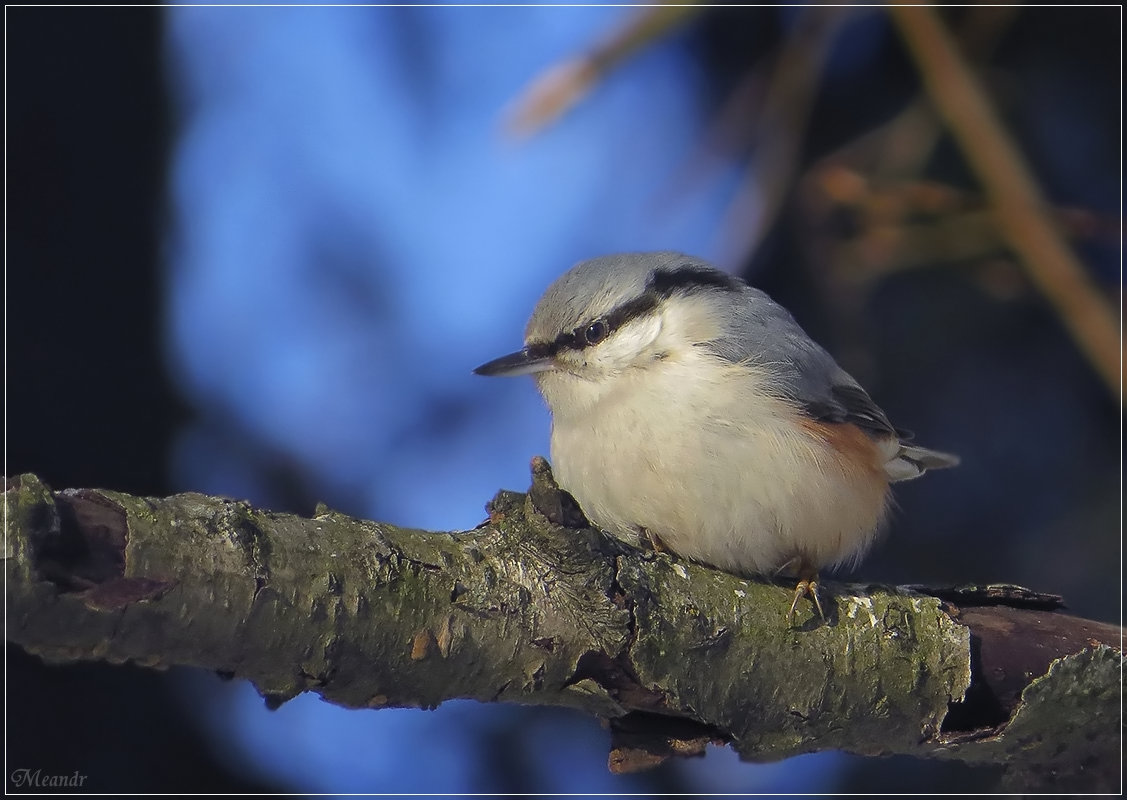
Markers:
664,283
543,349
689,278
578,340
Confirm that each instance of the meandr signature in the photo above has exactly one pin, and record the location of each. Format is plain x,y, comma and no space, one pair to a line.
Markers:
37,779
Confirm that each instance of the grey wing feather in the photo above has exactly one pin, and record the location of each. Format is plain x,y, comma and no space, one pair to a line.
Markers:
766,334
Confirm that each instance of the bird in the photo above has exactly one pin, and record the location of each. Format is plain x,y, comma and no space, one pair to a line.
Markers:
691,411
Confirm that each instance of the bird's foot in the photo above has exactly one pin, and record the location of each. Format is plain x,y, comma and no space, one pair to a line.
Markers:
807,586
655,541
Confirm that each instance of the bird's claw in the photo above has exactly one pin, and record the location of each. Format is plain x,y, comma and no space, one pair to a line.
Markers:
806,587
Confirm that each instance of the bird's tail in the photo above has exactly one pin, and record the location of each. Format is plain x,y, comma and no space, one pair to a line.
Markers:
913,461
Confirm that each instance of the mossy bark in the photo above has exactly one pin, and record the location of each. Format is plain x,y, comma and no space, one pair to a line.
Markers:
534,607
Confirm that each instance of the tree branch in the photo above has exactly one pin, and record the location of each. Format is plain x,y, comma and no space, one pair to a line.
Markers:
534,607
1019,208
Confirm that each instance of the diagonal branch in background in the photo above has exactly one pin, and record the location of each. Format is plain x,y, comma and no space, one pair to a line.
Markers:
533,607
778,132
563,85
1017,203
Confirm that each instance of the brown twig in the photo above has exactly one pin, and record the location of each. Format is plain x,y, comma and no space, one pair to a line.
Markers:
565,83
781,132
906,143
1015,199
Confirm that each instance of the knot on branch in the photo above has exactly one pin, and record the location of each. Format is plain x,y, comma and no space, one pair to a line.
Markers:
555,504
79,545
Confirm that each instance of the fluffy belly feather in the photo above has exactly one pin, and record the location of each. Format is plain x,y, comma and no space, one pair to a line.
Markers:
752,498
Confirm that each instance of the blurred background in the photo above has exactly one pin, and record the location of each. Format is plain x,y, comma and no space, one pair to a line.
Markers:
257,251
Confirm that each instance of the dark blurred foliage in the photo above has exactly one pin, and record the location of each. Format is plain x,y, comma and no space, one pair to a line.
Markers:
959,347
948,333
88,403
955,343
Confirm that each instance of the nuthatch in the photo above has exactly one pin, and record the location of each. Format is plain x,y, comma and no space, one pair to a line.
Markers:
691,409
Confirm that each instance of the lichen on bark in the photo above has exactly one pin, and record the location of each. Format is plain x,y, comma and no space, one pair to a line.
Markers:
535,607
878,678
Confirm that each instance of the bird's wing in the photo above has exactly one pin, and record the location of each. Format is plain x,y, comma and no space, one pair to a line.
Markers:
766,335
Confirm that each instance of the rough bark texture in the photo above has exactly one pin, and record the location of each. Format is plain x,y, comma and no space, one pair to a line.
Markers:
534,607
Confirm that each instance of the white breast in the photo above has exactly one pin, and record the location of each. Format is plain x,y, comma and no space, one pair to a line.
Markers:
694,450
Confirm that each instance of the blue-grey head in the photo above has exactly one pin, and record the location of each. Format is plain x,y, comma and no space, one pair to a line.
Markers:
611,316
626,316
612,313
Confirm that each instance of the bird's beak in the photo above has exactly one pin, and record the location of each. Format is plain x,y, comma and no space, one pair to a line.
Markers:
522,362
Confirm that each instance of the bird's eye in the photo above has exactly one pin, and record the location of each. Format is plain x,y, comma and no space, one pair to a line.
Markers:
596,332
